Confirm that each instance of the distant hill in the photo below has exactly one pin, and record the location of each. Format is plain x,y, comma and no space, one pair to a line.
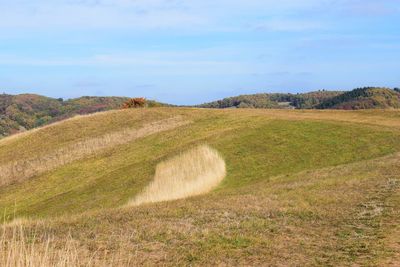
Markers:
361,98
364,98
26,111
286,101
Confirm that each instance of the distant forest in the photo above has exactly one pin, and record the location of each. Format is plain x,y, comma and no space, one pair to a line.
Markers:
360,98
27,111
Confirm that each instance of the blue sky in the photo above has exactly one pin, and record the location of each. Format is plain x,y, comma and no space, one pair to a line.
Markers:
188,52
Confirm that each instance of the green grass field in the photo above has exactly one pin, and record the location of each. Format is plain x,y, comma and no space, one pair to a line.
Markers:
302,188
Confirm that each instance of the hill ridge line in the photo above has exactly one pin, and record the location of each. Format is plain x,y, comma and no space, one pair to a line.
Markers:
24,169
6,139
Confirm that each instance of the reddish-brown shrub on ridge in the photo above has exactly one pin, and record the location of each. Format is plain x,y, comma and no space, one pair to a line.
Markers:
138,102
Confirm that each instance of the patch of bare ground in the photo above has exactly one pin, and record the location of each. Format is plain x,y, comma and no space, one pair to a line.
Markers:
21,170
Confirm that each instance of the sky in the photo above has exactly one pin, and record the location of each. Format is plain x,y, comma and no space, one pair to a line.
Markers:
194,51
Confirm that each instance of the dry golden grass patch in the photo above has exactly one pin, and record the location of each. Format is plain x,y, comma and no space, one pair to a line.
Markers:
28,243
21,248
20,170
192,173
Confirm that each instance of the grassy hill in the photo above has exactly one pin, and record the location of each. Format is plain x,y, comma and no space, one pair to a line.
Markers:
309,187
364,98
27,111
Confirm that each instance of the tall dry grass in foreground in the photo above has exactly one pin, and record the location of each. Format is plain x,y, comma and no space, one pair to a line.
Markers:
22,245
194,172
20,248
24,169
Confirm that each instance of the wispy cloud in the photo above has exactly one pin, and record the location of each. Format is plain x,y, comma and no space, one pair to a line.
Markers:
94,14
150,62
144,14
177,14
289,25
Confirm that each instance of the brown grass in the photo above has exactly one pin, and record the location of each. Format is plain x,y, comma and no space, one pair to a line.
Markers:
19,248
192,173
23,245
24,169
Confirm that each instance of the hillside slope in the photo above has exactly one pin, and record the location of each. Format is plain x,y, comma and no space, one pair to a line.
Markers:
302,187
27,111
364,98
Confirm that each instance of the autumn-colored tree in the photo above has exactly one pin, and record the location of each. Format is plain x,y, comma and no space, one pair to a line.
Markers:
139,102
